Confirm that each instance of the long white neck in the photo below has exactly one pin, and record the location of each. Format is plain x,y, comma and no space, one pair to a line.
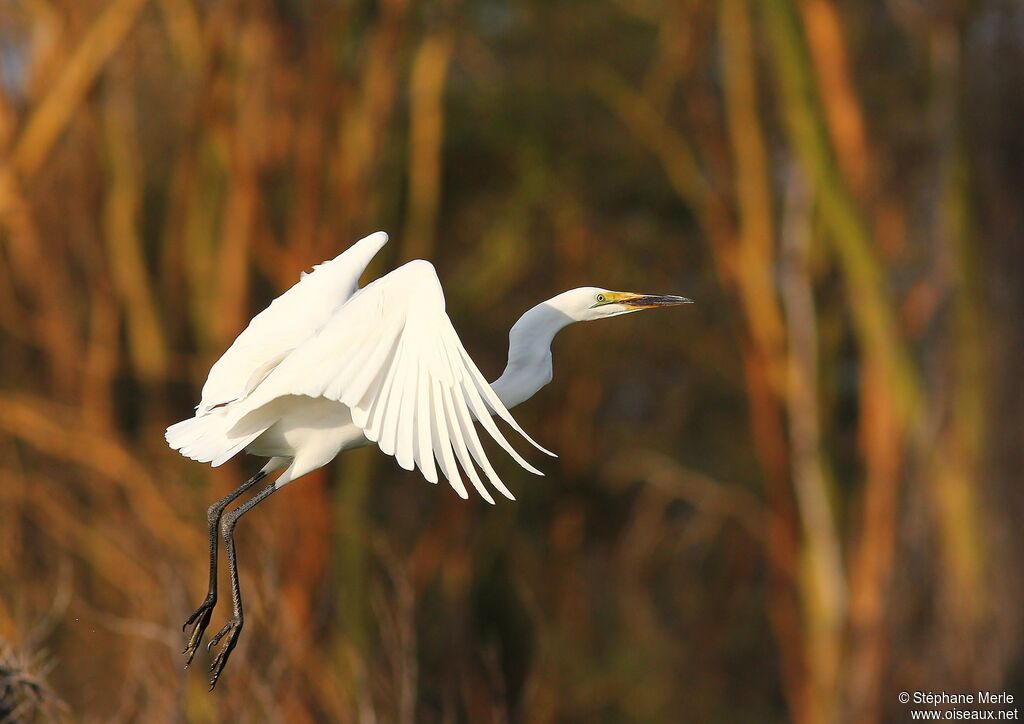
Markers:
529,353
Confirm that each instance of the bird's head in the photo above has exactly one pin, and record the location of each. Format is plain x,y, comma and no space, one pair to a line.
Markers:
589,303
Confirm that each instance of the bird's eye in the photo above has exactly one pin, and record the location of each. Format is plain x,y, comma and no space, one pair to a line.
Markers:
600,297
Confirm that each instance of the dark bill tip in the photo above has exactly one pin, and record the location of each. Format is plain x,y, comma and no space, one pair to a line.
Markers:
650,301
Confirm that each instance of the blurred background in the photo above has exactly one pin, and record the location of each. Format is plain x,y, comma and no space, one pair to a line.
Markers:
788,502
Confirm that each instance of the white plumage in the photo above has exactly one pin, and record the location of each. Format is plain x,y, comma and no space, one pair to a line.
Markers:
327,367
290,320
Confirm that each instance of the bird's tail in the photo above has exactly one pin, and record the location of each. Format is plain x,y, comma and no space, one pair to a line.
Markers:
204,438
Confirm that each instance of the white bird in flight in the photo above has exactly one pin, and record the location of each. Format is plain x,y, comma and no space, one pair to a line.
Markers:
329,366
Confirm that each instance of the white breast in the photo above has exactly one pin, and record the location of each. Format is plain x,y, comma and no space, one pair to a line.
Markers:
310,426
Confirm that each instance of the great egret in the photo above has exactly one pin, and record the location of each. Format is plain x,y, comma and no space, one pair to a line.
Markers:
328,367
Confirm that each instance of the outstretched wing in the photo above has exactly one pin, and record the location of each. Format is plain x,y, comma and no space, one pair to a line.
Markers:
291,319
392,356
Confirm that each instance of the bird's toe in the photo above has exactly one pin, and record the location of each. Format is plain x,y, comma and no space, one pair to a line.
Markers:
199,620
231,629
221,634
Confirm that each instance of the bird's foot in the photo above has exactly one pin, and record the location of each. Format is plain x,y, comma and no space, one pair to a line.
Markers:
231,629
199,620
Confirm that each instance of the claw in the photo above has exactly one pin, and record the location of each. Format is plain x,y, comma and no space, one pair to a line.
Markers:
220,634
201,618
195,615
234,628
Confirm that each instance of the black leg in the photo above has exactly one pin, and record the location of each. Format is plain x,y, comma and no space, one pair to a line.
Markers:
234,626
201,616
